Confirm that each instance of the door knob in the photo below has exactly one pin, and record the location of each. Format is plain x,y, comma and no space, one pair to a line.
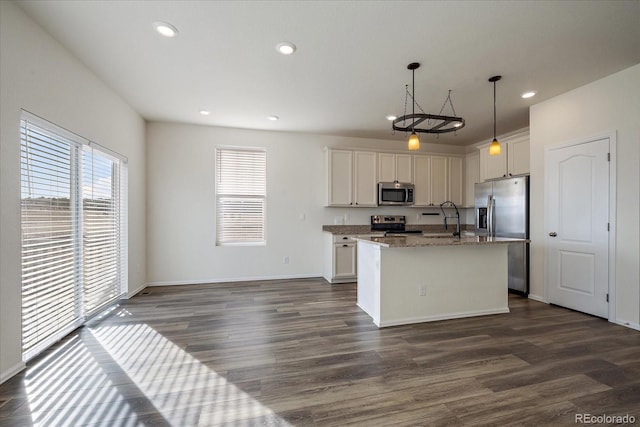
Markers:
553,234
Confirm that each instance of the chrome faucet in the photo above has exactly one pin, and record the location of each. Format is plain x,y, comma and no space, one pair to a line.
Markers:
457,217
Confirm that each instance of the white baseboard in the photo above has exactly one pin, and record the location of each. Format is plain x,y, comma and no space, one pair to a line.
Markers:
235,279
437,317
537,298
11,372
627,324
134,293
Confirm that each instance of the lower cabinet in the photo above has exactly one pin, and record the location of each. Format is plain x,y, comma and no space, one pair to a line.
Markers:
340,257
344,261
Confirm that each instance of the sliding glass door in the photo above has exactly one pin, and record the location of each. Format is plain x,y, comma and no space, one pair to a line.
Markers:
73,211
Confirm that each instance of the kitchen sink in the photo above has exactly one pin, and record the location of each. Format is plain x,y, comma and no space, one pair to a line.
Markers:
443,235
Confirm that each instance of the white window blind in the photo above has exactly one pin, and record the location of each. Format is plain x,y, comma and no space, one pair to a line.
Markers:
73,218
241,191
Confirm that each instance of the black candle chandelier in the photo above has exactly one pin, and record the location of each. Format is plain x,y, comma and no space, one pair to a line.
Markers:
422,122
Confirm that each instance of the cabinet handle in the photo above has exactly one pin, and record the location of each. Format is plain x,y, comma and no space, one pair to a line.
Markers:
345,246
553,234
345,238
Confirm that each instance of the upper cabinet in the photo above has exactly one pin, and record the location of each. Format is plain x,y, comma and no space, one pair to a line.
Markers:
364,179
395,167
437,179
471,176
340,179
351,178
513,158
422,180
455,186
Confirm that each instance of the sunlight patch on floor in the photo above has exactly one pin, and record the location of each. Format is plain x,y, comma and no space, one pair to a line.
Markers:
176,383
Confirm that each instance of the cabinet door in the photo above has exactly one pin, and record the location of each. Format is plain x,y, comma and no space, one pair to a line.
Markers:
340,178
493,166
422,180
472,175
386,167
439,178
456,180
365,179
518,157
344,260
404,168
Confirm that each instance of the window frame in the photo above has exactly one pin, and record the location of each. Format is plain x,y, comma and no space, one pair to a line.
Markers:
240,196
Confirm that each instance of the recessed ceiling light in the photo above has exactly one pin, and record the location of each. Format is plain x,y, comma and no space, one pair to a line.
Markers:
273,118
528,94
286,48
205,112
165,29
391,117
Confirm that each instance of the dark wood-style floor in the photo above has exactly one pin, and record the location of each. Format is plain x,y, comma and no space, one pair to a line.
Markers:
301,353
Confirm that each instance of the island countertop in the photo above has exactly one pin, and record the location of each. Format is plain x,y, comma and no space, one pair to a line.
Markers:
410,240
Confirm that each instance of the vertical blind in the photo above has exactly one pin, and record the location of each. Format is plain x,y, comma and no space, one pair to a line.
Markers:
241,190
73,220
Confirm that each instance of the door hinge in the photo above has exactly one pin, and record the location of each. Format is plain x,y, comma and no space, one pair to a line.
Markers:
607,297
608,157
608,226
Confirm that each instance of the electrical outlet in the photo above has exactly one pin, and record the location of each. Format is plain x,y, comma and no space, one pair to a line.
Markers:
285,260
422,290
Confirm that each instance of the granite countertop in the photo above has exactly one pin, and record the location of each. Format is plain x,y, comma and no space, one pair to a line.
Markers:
414,241
366,229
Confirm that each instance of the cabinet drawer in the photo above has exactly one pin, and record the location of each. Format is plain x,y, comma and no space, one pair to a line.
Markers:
342,238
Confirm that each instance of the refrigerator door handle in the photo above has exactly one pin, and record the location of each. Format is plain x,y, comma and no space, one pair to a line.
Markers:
491,232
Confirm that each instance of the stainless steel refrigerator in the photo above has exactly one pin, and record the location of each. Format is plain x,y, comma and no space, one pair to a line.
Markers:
502,210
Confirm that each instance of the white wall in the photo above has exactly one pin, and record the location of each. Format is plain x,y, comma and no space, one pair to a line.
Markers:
611,104
37,74
181,203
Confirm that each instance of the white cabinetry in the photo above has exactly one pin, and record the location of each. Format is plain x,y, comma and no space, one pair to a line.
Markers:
422,180
340,258
472,175
455,172
395,167
344,261
438,179
340,179
340,263
513,158
365,179
352,179
518,157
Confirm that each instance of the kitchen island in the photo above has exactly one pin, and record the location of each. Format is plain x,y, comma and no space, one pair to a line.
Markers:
411,278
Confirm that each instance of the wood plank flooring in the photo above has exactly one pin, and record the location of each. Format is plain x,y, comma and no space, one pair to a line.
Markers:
299,352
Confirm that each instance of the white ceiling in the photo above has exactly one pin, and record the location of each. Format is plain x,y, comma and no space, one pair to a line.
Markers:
349,71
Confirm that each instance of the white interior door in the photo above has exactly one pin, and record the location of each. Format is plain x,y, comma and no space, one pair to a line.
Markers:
577,189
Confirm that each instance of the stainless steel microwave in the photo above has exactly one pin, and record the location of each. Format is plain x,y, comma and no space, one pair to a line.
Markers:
395,193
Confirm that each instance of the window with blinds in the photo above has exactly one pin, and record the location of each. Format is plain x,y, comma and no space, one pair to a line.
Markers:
73,219
241,193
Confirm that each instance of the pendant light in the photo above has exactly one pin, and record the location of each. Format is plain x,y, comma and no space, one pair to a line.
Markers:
494,148
414,142
423,122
